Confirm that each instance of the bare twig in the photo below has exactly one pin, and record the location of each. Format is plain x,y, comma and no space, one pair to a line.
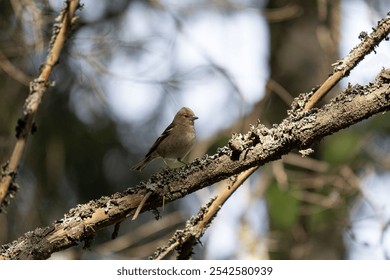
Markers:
13,71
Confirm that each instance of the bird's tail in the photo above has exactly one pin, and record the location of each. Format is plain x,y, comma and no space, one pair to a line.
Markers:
141,165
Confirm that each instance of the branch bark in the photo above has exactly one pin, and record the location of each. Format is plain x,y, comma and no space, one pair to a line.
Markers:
259,145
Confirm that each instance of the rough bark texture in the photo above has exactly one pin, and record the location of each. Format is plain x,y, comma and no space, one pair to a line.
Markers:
299,130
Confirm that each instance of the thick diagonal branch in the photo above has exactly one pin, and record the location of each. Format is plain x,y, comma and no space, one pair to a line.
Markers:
255,148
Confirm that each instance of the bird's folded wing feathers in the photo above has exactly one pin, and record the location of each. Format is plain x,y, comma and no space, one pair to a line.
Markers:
164,135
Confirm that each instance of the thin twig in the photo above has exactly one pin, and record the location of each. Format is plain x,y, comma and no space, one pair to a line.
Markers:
141,204
13,71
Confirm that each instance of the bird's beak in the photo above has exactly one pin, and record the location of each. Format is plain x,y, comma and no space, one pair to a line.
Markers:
194,118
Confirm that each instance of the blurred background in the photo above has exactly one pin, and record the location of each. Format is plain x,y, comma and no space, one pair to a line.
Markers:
130,65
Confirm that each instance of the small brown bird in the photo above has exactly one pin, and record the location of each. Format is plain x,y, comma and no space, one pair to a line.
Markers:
175,142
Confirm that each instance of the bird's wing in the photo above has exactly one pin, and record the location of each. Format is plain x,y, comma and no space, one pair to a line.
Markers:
160,139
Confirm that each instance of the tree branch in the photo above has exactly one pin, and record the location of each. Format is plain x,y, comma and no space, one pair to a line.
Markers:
357,54
38,87
255,148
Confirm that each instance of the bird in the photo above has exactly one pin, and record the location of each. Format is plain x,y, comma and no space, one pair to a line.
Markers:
175,142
